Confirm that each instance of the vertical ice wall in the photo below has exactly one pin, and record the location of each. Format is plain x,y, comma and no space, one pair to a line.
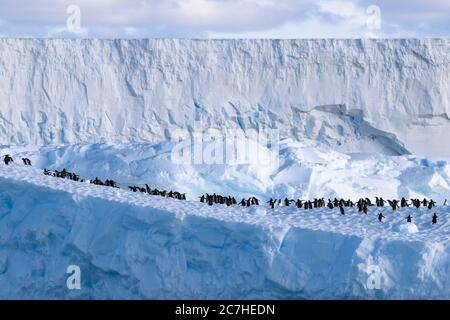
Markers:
66,91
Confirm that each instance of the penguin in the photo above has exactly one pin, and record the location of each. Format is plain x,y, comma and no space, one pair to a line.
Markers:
26,161
404,203
7,159
299,203
271,203
341,208
243,203
46,172
408,218
330,204
380,217
365,208
445,203
431,204
434,220
336,202
393,204
286,202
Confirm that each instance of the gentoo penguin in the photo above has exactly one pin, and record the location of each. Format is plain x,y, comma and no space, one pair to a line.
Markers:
342,210
445,203
380,217
434,220
408,218
271,203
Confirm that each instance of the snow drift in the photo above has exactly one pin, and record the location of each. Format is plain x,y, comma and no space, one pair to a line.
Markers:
132,245
305,169
72,91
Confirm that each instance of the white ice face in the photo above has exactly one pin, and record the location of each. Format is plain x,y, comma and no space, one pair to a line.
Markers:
395,92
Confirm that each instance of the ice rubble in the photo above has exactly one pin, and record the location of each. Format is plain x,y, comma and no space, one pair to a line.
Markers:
119,91
132,245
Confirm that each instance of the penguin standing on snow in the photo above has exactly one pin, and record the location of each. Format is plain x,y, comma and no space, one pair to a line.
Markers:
330,205
271,203
434,220
404,203
365,208
26,161
341,208
431,204
408,218
380,217
287,202
7,159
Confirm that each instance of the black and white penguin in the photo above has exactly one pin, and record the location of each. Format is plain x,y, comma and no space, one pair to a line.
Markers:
408,218
380,217
434,220
8,159
330,204
431,204
404,203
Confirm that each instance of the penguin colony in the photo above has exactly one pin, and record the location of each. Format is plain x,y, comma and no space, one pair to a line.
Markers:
362,204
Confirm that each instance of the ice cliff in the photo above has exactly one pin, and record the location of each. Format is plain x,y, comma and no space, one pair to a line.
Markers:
385,95
130,245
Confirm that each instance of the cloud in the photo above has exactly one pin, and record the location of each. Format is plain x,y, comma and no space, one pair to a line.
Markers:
225,18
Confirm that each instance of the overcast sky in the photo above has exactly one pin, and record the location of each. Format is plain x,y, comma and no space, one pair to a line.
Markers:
225,18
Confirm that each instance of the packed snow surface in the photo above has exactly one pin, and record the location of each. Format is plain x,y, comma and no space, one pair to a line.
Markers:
305,169
132,245
377,96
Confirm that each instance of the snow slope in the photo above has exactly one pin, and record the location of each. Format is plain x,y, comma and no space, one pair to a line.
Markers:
304,169
132,245
388,96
